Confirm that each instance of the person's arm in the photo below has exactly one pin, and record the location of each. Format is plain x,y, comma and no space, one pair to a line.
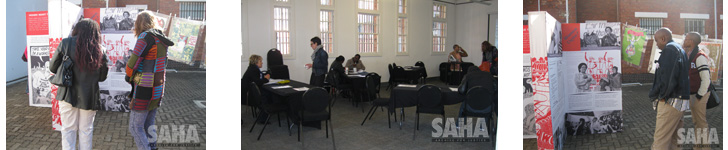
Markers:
104,66
463,53
666,63
349,64
142,44
361,65
580,80
704,71
57,59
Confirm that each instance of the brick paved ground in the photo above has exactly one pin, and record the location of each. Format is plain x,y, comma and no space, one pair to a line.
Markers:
639,125
30,127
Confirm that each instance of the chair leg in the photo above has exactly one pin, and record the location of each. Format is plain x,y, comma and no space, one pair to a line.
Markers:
414,132
375,110
300,127
395,116
333,139
417,121
288,124
264,125
279,119
327,128
388,120
254,122
370,112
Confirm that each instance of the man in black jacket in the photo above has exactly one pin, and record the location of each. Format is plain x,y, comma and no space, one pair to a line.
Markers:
670,91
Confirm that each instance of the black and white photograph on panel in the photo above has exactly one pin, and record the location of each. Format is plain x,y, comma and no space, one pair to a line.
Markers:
600,36
118,20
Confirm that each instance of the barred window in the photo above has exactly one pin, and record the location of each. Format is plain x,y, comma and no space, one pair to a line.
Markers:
281,0
326,26
402,6
192,10
438,36
280,27
327,2
368,4
695,25
651,24
438,11
402,35
368,33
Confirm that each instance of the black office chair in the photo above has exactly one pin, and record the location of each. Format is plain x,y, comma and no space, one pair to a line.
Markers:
244,97
314,108
424,71
334,79
372,92
444,72
479,102
275,64
255,97
429,100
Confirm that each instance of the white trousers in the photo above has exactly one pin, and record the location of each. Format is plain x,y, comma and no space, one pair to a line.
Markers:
75,122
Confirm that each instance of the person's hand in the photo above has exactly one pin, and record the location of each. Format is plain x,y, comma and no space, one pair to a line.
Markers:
267,76
308,66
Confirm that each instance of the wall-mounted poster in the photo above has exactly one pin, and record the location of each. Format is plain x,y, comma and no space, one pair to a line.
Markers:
162,21
600,35
118,20
38,59
183,33
714,50
633,45
526,48
529,117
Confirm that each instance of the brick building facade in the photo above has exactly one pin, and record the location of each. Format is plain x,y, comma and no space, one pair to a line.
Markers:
672,14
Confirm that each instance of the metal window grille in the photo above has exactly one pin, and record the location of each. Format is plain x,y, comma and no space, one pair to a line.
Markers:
368,33
695,25
192,10
651,24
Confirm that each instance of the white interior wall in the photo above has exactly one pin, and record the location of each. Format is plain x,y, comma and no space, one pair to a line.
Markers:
472,28
257,29
15,67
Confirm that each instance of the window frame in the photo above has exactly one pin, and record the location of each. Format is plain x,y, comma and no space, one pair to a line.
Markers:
191,11
332,48
443,20
652,25
693,23
377,13
404,35
291,30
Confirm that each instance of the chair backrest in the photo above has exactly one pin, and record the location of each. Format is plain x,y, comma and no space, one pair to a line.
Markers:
333,78
315,100
278,72
274,57
399,72
254,96
422,64
373,80
478,98
429,96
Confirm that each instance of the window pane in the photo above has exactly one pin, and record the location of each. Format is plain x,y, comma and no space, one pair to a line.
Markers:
368,33
368,4
438,11
438,36
280,21
326,26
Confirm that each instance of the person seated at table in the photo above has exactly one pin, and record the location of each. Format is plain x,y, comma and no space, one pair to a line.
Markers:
475,77
456,57
338,67
355,62
253,74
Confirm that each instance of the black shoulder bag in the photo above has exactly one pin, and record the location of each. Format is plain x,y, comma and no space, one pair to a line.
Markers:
714,99
64,74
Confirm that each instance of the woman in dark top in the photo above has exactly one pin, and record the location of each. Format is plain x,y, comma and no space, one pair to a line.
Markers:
78,103
253,74
338,67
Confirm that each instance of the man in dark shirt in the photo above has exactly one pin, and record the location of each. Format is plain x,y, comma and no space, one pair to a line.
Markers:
670,91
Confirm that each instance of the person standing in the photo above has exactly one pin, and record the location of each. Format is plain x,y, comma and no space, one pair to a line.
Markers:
583,80
699,81
670,91
78,103
355,62
145,71
320,63
490,58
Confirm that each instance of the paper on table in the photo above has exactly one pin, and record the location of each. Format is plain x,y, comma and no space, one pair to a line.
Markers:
281,87
407,85
301,89
274,81
453,89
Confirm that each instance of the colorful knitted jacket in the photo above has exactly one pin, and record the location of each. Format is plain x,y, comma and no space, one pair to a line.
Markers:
148,63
